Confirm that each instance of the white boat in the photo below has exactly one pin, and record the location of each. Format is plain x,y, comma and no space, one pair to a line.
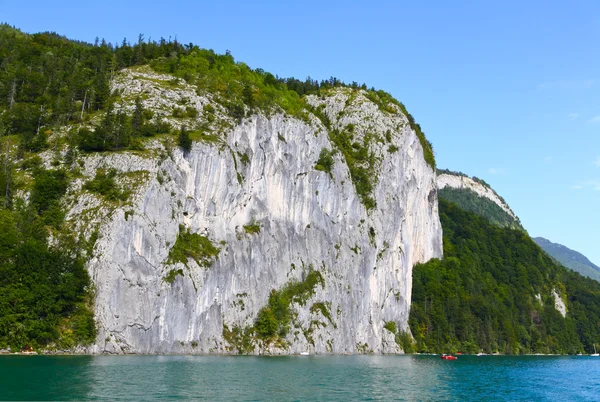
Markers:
481,354
595,354
304,354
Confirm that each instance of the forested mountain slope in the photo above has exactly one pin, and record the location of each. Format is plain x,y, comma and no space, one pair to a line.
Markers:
475,195
496,291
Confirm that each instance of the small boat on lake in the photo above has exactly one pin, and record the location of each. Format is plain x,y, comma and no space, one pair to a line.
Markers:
448,357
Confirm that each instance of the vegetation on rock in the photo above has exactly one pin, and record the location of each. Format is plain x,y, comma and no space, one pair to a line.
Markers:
184,140
194,246
240,339
390,326
172,275
274,319
384,101
325,161
360,160
105,185
252,227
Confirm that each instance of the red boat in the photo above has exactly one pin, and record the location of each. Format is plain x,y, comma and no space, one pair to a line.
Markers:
449,357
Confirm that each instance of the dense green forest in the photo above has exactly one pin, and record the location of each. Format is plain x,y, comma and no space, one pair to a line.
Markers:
44,290
492,292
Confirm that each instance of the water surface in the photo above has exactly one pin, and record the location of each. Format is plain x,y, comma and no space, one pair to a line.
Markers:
335,378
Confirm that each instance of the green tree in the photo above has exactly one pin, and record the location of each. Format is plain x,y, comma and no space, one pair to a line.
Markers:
184,140
137,120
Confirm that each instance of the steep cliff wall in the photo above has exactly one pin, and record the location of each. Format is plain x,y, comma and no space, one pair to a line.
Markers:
466,183
252,189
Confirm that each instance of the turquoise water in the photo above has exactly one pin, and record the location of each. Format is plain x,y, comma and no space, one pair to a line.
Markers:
336,378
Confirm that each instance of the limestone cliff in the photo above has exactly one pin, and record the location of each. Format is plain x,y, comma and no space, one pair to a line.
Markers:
252,190
466,183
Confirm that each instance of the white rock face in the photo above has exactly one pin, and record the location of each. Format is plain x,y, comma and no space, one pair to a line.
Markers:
462,182
559,304
263,172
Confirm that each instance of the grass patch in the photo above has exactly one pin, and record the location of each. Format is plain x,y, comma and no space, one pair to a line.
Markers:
274,319
104,184
325,161
244,158
391,326
203,136
194,246
252,228
172,274
324,309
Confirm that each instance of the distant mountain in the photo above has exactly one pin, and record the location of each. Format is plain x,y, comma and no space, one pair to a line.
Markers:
569,258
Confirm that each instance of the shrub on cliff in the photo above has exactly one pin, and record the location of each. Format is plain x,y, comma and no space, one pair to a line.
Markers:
184,140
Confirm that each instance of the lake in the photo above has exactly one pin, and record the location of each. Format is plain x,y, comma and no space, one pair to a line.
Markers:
334,378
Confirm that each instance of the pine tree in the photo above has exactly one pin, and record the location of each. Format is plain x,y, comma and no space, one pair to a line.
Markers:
137,120
105,133
139,54
122,135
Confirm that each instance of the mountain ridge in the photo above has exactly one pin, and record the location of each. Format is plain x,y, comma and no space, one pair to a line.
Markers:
569,258
475,195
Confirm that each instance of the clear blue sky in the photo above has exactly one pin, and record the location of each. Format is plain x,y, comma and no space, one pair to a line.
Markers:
508,91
